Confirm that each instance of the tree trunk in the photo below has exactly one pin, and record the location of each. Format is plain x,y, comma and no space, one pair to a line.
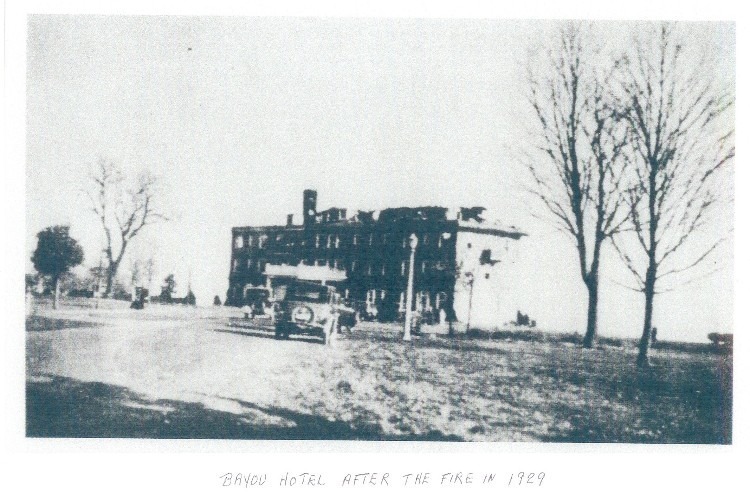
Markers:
111,273
56,299
648,291
649,284
593,288
108,288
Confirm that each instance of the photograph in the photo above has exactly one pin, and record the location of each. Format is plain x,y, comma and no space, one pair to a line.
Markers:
412,229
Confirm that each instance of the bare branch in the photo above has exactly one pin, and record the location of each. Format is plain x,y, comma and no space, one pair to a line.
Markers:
580,139
678,144
125,212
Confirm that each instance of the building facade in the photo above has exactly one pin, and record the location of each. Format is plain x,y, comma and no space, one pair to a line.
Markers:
454,251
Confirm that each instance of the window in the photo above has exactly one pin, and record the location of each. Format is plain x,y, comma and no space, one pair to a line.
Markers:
346,293
485,257
337,243
250,240
385,238
403,244
279,292
424,266
354,265
354,240
308,292
439,299
382,269
249,263
423,302
317,241
234,264
402,302
237,242
444,236
369,269
403,268
426,301
370,239
425,239
262,241
382,294
260,266
328,241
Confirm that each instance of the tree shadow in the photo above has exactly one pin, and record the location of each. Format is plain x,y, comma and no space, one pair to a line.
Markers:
43,323
259,333
60,407
659,405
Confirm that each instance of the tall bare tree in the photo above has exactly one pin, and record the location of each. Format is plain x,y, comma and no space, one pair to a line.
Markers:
682,136
123,211
136,272
149,269
577,177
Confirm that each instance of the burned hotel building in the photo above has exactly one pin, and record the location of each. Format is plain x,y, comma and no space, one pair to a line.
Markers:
457,254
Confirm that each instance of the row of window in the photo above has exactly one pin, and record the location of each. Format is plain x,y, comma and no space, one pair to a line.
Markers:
335,241
240,241
370,269
258,265
423,301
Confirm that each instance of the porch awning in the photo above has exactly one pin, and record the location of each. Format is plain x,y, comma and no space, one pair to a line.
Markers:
305,272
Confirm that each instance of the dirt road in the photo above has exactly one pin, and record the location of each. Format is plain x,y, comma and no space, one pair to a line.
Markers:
196,376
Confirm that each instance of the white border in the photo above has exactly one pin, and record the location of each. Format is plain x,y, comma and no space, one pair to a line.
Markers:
92,467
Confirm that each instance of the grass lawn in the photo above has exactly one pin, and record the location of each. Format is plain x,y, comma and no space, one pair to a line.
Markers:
201,378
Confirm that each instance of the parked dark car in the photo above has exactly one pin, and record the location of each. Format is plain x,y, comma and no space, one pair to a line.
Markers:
312,309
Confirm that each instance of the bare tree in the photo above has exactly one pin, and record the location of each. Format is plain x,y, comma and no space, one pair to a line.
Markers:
578,176
681,135
142,271
136,272
149,270
123,211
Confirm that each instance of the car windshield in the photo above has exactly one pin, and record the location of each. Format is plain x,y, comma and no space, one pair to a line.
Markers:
308,293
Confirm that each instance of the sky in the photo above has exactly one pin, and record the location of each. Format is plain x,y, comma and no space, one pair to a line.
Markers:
238,115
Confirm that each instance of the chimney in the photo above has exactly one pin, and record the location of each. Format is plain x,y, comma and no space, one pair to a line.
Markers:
290,219
309,206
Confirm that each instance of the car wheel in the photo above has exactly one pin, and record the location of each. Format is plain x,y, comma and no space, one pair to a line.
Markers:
279,332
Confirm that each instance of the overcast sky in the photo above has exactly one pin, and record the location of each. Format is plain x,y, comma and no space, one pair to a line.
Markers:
239,115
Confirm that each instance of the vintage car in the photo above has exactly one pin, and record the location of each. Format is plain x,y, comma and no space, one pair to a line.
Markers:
311,309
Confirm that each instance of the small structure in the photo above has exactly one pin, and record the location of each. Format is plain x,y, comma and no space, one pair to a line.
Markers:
722,341
279,276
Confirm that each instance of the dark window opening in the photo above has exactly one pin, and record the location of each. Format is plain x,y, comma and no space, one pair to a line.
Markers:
485,257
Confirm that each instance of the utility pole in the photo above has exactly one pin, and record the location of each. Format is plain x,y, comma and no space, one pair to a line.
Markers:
470,276
413,240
